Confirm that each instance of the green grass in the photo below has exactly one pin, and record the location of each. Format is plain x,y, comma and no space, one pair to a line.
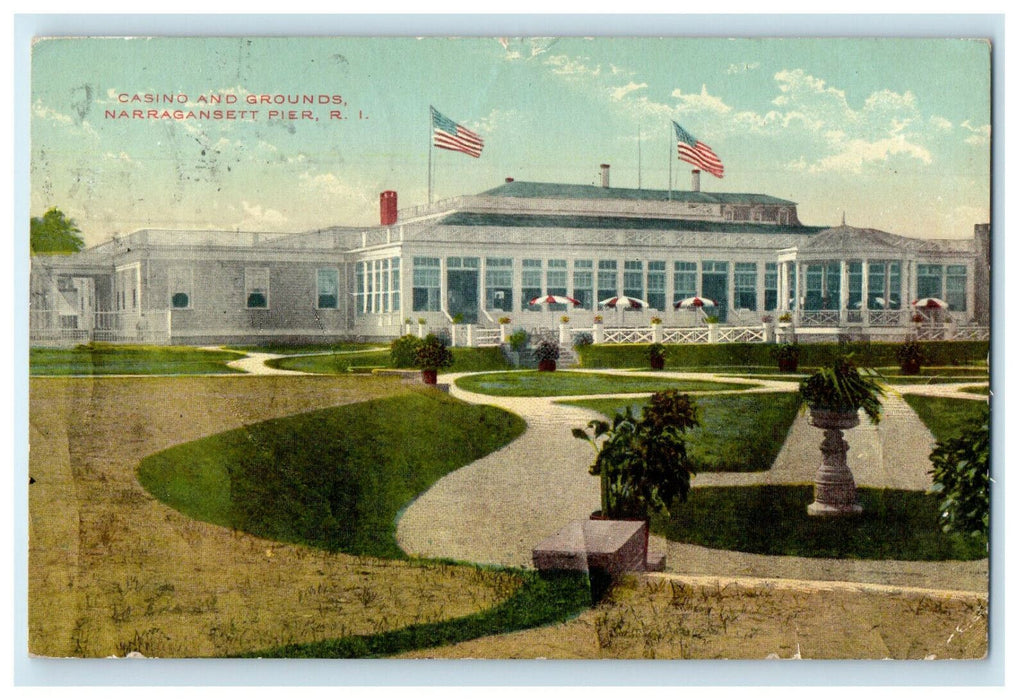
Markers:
465,360
104,359
722,442
985,390
778,377
541,599
292,349
900,525
335,363
940,371
945,417
930,379
534,383
334,479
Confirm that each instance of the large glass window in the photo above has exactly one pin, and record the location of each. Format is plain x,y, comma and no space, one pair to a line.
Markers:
584,283
427,284
180,287
744,285
258,293
396,285
769,293
633,279
955,280
656,297
607,283
928,281
327,288
878,286
555,281
685,280
499,283
530,284
854,285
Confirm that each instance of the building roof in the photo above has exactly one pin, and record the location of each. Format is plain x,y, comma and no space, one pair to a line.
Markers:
466,218
846,239
550,190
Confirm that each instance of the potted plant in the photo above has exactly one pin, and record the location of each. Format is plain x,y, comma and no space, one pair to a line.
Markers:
504,320
432,355
656,320
767,318
546,353
564,319
643,463
785,317
657,355
712,319
597,319
787,355
834,396
918,317
910,356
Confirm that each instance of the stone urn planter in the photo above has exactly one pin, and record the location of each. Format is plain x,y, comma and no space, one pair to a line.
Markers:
835,492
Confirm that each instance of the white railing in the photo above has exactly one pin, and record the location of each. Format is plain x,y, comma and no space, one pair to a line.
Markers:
487,336
629,335
930,332
686,335
145,327
816,319
742,334
886,317
971,333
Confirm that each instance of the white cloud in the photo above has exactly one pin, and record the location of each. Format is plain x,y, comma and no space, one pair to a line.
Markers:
978,135
940,123
854,154
564,65
618,93
43,112
701,102
256,217
333,186
495,119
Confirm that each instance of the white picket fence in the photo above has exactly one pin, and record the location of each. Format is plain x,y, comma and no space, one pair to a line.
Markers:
50,329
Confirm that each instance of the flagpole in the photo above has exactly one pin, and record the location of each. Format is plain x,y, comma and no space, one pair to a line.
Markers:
639,155
431,138
669,178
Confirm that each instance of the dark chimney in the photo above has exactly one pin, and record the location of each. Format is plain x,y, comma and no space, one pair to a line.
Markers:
696,180
604,171
509,179
389,207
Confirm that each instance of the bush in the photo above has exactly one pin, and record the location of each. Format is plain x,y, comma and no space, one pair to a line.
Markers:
582,339
403,351
787,356
643,463
433,354
961,478
518,340
546,350
842,389
910,356
656,351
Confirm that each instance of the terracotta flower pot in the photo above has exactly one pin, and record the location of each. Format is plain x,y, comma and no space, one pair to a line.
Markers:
429,376
546,365
657,362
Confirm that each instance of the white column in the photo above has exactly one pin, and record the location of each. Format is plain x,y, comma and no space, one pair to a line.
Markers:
864,292
843,303
783,288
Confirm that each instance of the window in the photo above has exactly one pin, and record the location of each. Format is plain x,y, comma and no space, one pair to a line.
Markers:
928,281
685,280
359,294
530,284
499,283
258,293
607,287
327,288
633,279
180,287
878,285
955,287
427,284
584,283
396,285
555,282
656,297
894,290
769,294
854,285
744,285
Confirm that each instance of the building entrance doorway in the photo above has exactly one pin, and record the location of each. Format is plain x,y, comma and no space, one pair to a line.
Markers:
462,294
714,286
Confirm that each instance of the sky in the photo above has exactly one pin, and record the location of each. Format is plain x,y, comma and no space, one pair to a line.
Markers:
890,133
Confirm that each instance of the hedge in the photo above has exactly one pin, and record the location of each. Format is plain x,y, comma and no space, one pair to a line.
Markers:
866,354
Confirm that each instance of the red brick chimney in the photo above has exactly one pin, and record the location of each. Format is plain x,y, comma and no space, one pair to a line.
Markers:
389,207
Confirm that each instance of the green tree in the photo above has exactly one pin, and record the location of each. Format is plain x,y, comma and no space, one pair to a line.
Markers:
54,232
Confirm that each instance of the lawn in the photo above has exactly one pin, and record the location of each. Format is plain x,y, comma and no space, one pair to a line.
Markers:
772,520
101,359
334,479
292,349
944,417
533,383
465,360
985,390
722,442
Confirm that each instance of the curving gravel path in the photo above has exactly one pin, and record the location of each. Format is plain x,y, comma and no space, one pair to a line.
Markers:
496,509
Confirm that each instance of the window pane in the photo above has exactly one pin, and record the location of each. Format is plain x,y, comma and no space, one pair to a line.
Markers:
257,287
327,289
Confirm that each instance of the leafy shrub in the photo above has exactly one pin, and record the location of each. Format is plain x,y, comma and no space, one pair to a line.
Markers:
910,356
643,462
787,356
403,351
433,354
841,388
961,478
656,351
785,318
583,339
546,350
518,340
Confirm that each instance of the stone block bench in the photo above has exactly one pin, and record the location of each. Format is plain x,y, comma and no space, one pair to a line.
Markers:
612,546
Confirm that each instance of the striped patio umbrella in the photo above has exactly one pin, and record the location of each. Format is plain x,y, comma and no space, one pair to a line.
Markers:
553,299
930,303
621,303
693,302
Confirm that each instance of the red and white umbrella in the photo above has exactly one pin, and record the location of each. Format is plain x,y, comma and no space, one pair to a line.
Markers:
620,303
930,303
553,299
693,302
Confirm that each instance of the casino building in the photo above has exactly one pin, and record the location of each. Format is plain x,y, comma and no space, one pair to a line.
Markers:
477,258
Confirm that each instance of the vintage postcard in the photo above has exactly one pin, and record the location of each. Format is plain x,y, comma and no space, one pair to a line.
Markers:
510,347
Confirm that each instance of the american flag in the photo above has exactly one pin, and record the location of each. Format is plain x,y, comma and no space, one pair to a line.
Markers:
453,137
697,153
